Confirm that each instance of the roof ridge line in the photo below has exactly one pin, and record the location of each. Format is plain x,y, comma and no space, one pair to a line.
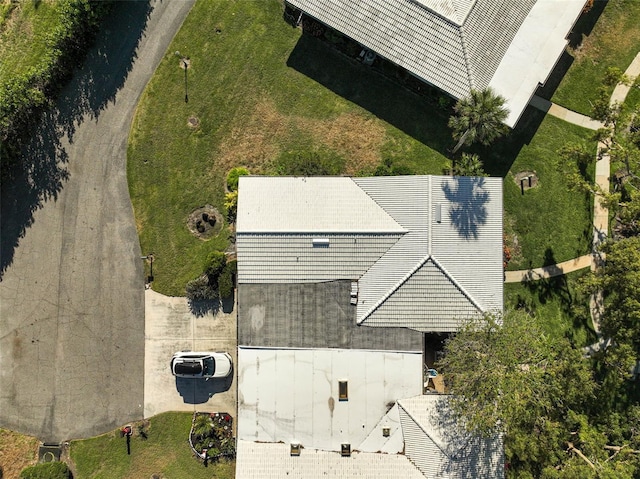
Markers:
457,285
395,288
467,60
404,229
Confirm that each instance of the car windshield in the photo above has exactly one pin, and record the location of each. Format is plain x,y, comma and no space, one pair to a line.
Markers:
209,366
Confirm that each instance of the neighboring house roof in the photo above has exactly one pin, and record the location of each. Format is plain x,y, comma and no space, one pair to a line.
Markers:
428,257
459,45
292,395
440,449
274,461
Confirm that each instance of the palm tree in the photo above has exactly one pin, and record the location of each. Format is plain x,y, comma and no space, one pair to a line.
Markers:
478,118
468,165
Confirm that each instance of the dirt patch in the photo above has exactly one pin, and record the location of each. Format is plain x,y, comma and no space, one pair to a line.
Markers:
526,179
205,222
16,452
258,141
356,138
253,143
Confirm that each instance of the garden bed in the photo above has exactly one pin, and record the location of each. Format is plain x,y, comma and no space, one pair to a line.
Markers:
211,436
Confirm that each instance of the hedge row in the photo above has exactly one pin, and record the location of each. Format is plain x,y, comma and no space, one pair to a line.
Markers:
26,94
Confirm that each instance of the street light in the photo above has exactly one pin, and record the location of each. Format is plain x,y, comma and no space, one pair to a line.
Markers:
185,64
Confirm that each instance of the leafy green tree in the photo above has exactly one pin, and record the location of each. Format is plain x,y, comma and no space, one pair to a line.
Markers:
619,279
478,118
469,164
216,262
233,177
506,374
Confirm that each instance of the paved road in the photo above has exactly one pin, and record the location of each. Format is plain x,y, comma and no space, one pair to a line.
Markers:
71,296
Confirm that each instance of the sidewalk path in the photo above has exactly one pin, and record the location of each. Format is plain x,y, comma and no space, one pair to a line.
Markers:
565,114
548,271
600,213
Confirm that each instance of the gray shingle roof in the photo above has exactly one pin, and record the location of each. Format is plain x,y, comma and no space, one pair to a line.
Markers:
429,278
455,45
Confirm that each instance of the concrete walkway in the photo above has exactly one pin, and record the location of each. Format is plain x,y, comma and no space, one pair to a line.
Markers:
548,271
600,213
565,114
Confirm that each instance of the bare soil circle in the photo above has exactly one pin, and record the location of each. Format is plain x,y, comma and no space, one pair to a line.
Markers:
205,222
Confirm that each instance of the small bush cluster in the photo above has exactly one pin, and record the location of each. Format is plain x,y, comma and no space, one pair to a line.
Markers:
231,197
47,470
387,168
217,281
320,162
212,435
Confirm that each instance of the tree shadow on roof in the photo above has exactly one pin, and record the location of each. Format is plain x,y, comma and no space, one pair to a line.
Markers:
468,199
468,455
38,173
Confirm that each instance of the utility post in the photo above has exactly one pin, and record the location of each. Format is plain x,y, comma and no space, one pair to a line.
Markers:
185,64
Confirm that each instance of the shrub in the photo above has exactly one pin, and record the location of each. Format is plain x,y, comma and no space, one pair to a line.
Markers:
47,470
226,281
389,169
234,175
231,205
310,163
200,289
216,262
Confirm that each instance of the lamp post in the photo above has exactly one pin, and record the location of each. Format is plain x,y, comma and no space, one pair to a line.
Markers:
149,257
185,64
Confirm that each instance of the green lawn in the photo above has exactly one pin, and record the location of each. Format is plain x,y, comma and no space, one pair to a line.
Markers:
262,93
549,223
613,42
165,452
23,34
564,312
258,90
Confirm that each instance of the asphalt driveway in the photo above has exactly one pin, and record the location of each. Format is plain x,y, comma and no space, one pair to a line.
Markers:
172,327
72,320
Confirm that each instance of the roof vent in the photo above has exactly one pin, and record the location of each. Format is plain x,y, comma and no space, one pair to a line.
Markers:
295,449
320,242
386,431
345,450
438,213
